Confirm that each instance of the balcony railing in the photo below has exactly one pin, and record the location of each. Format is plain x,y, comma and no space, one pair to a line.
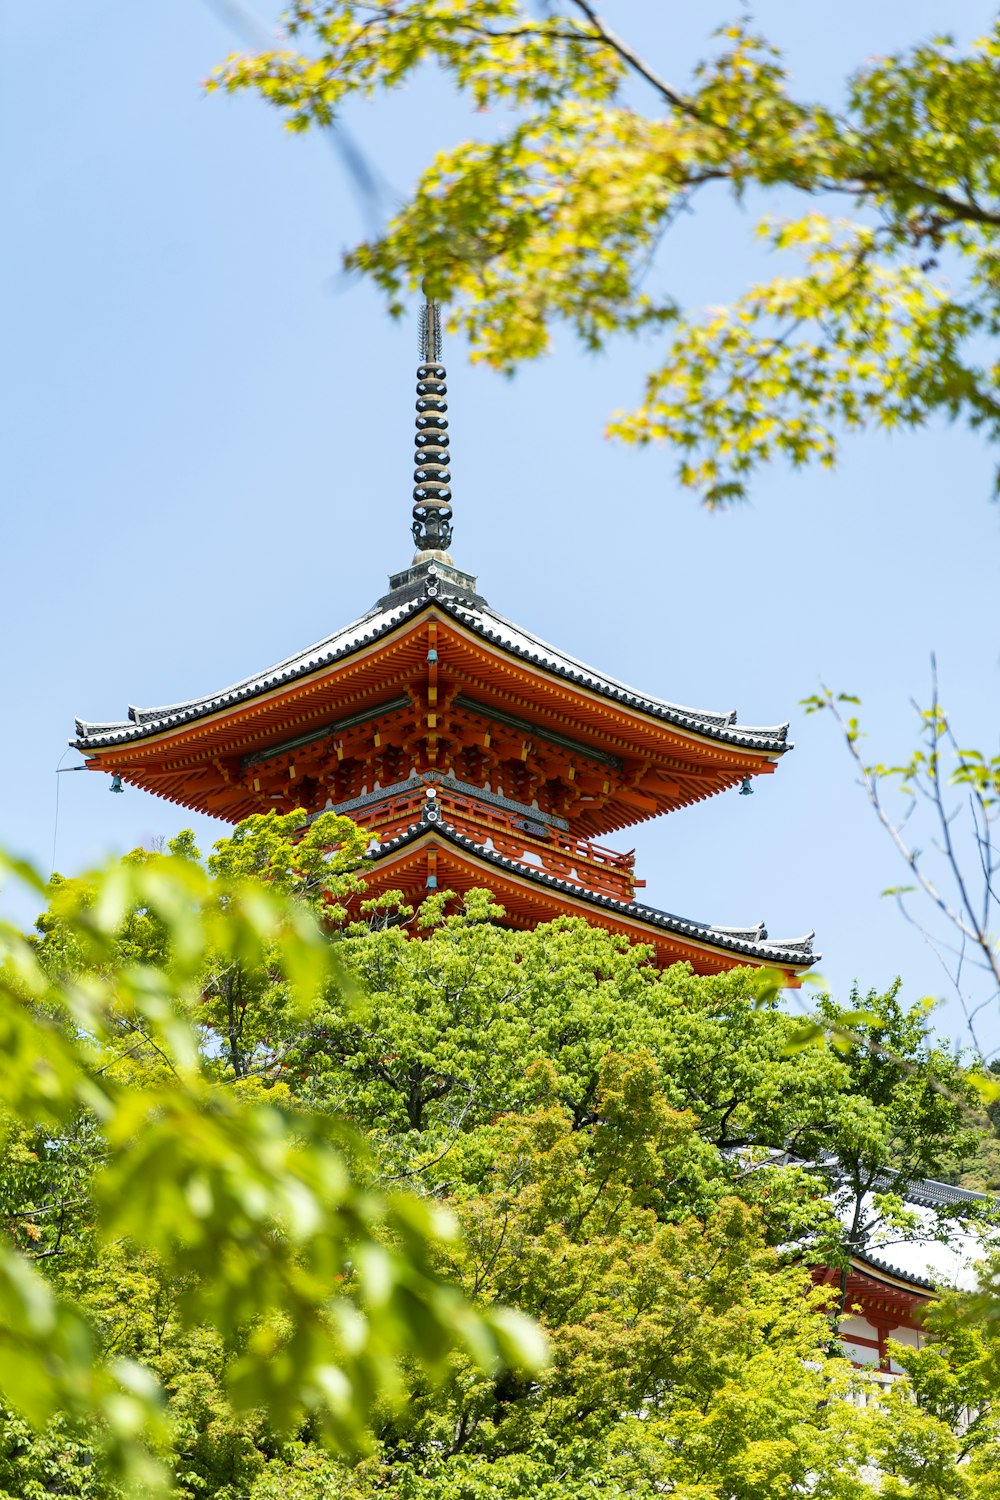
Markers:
518,836
873,1388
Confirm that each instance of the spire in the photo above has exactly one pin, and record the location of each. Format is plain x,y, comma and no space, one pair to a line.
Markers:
432,492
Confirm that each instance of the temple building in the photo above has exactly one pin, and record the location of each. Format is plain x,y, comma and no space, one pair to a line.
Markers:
888,1288
475,754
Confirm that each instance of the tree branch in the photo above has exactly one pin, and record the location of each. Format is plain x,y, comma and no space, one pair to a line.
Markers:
634,61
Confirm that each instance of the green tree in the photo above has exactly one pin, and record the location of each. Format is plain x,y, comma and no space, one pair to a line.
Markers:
663,1320
884,319
907,1110
644,1163
628,1188
935,1434
257,1223
440,1044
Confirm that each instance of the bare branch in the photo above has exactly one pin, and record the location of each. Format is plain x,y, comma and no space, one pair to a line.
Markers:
969,915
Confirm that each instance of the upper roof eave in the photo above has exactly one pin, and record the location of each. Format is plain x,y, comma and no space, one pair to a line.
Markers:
538,653
474,615
143,723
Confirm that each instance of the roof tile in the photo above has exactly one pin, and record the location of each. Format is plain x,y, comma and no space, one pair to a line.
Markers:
796,952
475,615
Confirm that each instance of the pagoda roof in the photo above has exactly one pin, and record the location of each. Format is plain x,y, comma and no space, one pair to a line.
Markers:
469,610
746,943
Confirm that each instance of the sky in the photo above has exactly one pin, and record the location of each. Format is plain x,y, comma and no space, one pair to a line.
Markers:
207,455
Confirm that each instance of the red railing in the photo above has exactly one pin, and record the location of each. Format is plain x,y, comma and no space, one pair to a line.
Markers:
557,853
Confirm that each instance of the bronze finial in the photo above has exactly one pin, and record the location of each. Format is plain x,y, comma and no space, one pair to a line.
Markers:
432,492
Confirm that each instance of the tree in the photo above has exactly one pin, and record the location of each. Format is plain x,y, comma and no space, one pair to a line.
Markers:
662,1319
254,1223
469,1008
939,807
644,1163
883,320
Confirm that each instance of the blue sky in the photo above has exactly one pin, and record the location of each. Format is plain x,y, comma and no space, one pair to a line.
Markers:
207,453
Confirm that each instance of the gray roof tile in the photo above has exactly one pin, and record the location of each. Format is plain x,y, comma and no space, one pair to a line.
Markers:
471,612
877,1264
751,942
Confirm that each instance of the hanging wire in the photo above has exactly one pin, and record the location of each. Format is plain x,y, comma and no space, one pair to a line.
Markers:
61,770
55,825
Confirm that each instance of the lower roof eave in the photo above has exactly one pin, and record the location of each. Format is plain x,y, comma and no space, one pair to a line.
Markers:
644,924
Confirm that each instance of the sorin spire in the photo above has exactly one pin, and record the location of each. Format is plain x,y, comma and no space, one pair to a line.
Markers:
432,492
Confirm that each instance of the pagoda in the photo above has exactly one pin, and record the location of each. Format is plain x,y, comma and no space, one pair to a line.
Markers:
474,754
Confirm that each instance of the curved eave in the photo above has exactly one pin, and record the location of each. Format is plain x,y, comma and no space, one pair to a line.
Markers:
737,945
150,725
880,1293
614,815
156,724
927,1192
700,723
891,1277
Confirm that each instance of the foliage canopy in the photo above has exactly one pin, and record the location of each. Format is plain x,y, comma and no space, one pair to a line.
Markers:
239,1255
257,1224
881,318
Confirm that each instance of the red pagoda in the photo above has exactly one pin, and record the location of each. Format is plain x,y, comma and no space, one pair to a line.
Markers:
473,753
476,755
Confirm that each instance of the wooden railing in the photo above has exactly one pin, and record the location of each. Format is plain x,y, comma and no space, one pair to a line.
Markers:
590,865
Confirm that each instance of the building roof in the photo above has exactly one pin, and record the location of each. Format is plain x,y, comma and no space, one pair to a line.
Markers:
868,1261
929,1260
925,1192
751,943
144,722
438,590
